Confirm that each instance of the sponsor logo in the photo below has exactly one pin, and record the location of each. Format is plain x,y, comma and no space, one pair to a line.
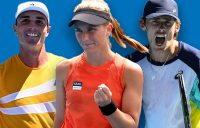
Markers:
77,85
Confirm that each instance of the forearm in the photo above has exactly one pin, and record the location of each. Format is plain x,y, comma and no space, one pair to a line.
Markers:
120,119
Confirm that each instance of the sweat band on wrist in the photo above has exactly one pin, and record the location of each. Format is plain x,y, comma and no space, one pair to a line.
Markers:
108,109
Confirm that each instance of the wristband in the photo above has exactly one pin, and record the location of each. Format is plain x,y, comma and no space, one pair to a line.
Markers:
108,109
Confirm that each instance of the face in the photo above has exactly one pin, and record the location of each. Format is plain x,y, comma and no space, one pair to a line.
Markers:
31,28
92,38
161,32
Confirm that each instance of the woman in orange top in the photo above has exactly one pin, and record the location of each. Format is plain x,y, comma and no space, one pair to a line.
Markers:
99,88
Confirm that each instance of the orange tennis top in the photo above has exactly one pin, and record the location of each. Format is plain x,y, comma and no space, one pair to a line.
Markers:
83,79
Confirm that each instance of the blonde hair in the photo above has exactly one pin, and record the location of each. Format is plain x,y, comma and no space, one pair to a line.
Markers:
99,5
117,32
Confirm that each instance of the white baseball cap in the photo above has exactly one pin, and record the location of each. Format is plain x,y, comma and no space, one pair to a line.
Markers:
32,6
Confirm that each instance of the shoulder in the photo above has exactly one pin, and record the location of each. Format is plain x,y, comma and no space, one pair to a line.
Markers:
136,56
190,56
10,61
63,67
56,58
8,64
1,67
62,70
132,67
133,75
188,53
189,50
128,65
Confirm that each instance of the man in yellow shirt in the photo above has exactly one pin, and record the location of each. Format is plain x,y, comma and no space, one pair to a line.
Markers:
27,90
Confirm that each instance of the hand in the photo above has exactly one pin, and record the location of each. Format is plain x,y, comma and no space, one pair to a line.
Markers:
102,95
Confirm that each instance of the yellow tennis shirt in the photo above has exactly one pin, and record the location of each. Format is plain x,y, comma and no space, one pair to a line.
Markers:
27,95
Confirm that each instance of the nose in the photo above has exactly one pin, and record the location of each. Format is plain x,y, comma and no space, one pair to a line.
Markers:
31,25
85,36
162,25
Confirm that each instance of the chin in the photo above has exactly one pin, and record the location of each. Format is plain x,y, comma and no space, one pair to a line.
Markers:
160,48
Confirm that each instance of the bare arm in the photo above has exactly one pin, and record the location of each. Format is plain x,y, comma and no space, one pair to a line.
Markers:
61,72
131,100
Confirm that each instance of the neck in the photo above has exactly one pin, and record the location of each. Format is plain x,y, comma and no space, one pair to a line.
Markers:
33,59
99,58
165,55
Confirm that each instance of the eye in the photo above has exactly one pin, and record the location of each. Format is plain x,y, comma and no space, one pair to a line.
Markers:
78,30
154,23
168,23
40,22
91,29
24,21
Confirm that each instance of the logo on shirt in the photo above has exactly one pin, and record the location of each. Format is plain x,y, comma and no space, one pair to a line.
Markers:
77,85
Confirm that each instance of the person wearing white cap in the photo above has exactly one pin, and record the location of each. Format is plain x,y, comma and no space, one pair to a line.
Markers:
27,90
94,89
168,58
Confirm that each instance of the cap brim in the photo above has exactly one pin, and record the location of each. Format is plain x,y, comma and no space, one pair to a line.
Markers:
153,15
88,18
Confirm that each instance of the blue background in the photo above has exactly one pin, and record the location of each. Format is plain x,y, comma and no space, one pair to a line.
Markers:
61,40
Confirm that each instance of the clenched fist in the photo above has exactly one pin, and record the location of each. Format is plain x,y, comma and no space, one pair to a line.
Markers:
102,95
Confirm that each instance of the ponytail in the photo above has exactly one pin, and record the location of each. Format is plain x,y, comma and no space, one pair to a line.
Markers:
120,37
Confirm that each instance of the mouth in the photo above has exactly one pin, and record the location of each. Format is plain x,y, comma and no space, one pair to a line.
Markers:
32,34
160,39
88,44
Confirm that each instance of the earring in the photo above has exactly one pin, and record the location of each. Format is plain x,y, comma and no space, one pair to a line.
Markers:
46,34
144,28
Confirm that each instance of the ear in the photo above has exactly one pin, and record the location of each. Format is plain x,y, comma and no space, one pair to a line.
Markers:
15,27
142,24
48,30
178,24
109,28
177,28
